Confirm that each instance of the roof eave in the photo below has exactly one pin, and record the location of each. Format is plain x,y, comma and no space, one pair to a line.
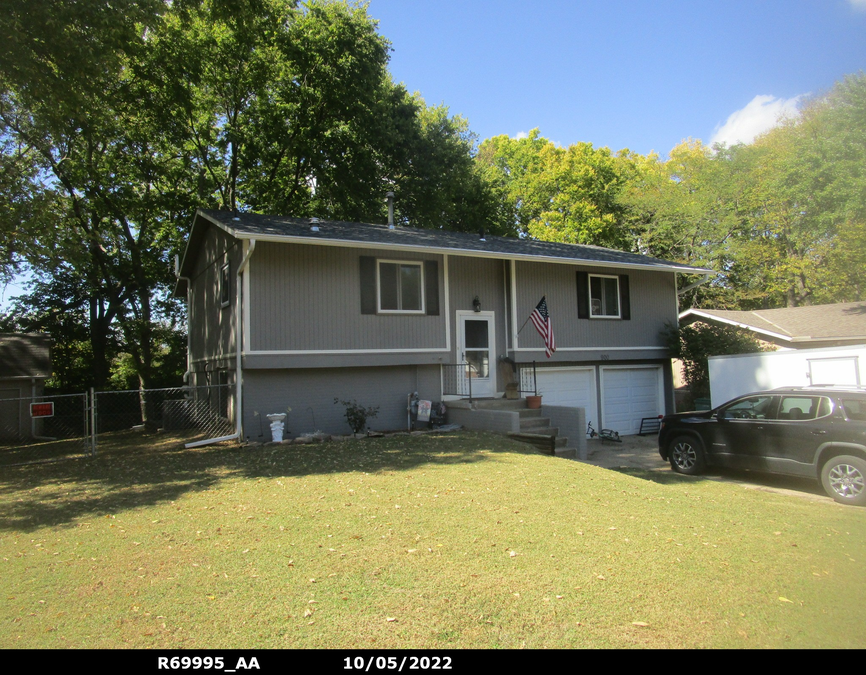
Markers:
446,250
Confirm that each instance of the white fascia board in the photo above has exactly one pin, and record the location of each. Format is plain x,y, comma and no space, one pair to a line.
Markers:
731,322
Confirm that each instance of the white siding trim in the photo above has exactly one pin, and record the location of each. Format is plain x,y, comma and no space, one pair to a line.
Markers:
514,346
447,291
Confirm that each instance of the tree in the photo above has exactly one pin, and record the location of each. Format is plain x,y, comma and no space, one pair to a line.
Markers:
140,112
695,343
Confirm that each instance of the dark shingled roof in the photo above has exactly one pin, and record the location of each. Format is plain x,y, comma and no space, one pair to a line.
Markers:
843,321
278,228
25,355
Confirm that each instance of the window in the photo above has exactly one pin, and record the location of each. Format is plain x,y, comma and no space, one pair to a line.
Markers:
604,297
225,285
751,408
400,286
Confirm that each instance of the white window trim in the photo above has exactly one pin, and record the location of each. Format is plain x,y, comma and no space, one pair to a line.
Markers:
417,263
225,285
618,314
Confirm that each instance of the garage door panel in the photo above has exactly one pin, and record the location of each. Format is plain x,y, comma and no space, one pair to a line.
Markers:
568,387
628,395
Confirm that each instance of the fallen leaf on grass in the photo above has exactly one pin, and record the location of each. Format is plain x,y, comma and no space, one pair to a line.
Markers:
784,599
642,624
390,619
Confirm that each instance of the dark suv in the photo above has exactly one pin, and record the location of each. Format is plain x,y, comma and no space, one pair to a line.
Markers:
815,432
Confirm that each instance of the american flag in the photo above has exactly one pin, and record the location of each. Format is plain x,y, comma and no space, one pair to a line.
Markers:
541,320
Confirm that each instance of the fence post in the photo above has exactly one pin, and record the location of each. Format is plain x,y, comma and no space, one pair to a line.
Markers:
92,423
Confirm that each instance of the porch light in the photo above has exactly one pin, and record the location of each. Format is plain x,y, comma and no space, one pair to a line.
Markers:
476,304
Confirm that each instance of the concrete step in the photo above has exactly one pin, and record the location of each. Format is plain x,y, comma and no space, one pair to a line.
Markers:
566,452
534,422
527,413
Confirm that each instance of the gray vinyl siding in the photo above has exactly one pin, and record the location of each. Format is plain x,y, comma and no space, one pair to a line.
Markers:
310,394
308,298
652,302
212,327
485,278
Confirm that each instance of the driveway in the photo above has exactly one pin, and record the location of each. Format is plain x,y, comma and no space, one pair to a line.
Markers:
641,452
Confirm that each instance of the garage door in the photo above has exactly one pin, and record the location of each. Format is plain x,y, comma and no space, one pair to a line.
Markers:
566,386
629,394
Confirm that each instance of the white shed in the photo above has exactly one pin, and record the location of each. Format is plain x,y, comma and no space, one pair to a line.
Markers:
732,376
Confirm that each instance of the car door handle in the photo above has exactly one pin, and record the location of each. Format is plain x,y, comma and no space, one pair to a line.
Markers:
818,432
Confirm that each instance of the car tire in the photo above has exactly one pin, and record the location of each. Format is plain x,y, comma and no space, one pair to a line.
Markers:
686,454
844,479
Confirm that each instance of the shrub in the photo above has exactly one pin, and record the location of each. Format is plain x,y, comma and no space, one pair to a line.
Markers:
357,415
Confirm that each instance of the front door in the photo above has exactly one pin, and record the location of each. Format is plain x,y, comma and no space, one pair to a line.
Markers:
476,342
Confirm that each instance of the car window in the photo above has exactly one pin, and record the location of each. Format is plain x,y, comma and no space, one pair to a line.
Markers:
804,407
750,408
855,408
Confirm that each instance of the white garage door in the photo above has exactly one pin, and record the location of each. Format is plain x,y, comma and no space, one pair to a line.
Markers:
629,394
566,386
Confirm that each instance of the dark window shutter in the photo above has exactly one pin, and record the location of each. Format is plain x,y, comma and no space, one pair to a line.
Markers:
624,304
368,285
582,295
431,286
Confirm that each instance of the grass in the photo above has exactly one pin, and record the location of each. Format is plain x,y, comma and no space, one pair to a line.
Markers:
454,541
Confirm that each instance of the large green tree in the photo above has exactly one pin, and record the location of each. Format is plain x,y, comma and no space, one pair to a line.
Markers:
558,194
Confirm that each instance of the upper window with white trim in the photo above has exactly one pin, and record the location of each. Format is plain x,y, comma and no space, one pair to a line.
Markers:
401,285
604,297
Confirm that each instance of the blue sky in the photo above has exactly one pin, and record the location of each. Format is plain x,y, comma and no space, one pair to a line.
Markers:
635,74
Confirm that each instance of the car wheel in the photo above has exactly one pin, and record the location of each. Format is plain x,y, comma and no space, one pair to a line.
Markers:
844,479
687,455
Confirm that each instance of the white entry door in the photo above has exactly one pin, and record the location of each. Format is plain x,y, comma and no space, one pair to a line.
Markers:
476,344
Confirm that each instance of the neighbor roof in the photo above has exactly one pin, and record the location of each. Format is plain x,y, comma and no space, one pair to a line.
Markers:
843,322
341,233
25,355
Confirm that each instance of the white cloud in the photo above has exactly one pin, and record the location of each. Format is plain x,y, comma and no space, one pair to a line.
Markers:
761,114
519,135
858,5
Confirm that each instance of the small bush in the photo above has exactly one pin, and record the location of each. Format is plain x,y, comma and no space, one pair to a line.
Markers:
357,415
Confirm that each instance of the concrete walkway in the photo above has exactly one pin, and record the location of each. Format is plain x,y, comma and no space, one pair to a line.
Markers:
635,452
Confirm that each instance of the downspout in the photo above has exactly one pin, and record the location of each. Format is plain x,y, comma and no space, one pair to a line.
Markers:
239,317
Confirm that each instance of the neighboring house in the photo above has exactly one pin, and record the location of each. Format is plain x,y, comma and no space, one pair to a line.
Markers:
810,327
25,364
308,311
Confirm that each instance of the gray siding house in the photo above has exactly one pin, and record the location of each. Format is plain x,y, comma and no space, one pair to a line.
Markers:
295,312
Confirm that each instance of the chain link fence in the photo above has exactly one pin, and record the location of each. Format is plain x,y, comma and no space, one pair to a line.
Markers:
75,425
41,428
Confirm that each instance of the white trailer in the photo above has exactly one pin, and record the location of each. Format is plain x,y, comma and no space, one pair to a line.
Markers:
732,376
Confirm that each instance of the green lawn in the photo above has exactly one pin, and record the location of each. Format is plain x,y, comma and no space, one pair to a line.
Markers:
450,541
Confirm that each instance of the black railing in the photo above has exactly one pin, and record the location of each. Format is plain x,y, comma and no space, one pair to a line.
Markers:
457,379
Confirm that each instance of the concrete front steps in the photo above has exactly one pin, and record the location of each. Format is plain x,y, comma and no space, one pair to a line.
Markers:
514,418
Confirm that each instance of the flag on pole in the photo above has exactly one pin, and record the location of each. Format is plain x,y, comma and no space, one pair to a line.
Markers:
541,320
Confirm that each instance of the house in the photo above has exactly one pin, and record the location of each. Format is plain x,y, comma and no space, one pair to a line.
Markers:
295,312
811,327
25,364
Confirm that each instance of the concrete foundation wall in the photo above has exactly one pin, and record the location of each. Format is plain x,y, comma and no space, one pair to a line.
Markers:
571,423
